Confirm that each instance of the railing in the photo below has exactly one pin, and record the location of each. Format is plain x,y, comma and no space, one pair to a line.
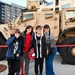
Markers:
22,68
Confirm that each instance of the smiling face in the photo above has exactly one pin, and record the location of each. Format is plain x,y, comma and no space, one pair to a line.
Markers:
29,30
38,31
46,30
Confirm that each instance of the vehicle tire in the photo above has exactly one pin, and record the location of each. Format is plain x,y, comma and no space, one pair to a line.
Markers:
2,50
68,53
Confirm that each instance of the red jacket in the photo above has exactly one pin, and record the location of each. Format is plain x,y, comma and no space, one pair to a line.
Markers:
27,42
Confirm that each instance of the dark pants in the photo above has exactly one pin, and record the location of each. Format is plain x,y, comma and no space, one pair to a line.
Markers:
13,66
38,64
27,61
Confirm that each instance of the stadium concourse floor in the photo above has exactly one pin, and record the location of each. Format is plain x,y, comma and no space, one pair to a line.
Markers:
59,69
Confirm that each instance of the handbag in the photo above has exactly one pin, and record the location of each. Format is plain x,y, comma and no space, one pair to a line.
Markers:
31,54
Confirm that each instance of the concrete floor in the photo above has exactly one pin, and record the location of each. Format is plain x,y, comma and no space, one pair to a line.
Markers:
59,69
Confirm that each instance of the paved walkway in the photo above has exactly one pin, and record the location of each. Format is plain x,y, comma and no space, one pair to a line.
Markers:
58,67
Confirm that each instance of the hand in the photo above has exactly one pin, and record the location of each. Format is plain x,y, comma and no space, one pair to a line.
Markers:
17,55
47,52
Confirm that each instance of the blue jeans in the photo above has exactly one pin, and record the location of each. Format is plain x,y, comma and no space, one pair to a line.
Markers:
49,63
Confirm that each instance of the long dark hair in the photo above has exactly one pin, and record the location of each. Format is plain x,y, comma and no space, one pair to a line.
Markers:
46,26
28,27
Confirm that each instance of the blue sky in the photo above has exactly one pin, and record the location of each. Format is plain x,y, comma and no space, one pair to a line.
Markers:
49,0
19,2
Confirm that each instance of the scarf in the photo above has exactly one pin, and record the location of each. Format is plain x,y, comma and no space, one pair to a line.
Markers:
37,51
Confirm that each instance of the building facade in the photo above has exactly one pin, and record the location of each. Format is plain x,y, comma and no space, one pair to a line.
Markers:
9,12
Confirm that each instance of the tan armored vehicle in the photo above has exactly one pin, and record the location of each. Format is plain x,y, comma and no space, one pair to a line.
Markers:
62,26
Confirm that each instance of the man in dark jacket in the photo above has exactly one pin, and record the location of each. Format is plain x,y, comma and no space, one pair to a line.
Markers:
13,52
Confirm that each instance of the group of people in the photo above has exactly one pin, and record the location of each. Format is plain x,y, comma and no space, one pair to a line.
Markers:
20,44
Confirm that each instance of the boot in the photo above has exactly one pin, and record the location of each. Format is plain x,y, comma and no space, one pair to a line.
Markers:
40,74
36,73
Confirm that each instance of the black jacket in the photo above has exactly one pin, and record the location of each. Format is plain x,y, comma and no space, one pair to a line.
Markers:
35,46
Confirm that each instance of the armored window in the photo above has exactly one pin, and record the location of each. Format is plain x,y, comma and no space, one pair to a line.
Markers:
70,16
48,15
28,16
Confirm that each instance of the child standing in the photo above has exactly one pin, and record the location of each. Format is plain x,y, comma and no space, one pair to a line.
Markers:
50,50
13,52
38,41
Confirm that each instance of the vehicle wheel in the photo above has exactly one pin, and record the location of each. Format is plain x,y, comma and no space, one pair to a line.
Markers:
68,53
2,50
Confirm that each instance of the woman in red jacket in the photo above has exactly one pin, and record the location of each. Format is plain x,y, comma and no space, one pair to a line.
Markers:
26,46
